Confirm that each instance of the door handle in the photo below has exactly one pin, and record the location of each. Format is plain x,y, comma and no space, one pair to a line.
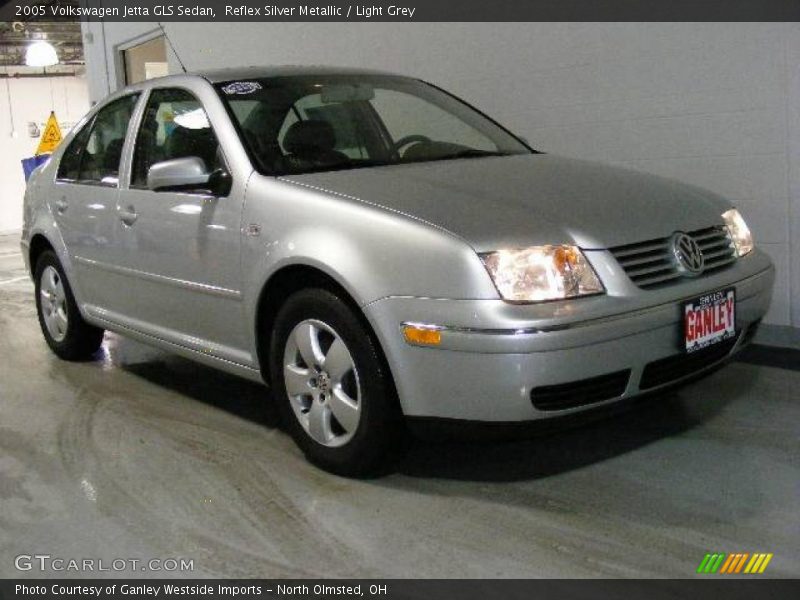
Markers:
61,205
128,215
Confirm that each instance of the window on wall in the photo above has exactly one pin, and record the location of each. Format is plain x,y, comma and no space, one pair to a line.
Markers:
175,125
145,61
95,153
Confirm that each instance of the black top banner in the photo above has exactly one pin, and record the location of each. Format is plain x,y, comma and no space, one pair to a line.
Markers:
401,10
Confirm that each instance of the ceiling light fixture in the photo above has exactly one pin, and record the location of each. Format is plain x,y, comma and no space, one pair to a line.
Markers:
41,54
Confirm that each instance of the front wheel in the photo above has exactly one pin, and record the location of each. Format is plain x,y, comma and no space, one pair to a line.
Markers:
64,329
334,392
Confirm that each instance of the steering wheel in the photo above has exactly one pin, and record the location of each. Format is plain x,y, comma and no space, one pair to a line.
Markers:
409,139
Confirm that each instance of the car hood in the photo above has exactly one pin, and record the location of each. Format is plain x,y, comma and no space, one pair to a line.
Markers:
495,202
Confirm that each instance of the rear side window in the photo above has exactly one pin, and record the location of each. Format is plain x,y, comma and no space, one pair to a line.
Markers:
174,125
95,153
71,159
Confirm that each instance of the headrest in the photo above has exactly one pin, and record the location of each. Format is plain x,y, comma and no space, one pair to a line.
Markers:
183,141
113,154
309,137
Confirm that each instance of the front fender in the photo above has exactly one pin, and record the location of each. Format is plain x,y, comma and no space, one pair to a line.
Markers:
371,252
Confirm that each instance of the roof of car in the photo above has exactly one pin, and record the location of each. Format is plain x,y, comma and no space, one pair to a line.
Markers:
255,72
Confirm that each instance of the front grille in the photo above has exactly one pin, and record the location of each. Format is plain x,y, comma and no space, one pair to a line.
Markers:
677,367
579,393
651,264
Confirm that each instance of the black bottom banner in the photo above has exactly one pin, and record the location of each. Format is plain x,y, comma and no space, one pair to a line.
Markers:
411,589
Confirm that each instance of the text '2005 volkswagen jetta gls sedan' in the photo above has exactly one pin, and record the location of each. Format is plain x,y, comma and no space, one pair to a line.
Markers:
379,252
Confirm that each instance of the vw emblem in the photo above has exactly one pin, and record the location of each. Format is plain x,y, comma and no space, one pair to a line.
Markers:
687,254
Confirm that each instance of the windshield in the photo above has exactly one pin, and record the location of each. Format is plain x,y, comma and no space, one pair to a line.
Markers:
304,124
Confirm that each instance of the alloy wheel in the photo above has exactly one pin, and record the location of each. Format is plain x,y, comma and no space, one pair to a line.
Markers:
54,304
322,383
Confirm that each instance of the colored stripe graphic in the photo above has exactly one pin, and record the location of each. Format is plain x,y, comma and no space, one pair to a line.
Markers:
703,564
731,564
717,563
734,563
741,562
727,563
711,563
765,563
754,563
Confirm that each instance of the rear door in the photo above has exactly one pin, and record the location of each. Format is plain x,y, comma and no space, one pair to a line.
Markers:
85,196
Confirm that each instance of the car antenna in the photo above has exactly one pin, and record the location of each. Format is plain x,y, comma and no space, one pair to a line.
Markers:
175,52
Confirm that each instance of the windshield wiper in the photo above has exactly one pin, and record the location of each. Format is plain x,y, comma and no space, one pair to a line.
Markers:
344,166
474,153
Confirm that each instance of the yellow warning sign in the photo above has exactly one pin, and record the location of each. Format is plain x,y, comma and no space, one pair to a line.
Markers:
51,136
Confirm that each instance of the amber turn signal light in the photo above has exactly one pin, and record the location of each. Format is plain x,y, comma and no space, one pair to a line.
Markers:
422,335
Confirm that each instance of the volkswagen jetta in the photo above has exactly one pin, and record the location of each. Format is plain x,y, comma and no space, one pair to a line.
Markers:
379,252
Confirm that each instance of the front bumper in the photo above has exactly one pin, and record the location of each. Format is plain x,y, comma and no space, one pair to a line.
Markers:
493,354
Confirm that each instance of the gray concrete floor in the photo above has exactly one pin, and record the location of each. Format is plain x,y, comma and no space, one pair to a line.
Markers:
141,454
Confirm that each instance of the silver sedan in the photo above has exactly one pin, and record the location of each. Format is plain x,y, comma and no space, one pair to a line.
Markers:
381,254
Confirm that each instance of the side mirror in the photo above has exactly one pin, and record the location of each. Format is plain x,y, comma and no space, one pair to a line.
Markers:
220,182
178,174
188,173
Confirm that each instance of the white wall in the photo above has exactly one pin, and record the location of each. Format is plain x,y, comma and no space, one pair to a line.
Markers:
31,100
717,105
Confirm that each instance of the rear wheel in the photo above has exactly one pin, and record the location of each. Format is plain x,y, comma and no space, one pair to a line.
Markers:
334,392
64,329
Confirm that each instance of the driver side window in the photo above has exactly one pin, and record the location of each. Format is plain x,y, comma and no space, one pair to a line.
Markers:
405,115
174,125
344,119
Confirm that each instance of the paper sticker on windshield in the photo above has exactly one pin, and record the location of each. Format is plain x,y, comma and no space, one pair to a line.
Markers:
241,87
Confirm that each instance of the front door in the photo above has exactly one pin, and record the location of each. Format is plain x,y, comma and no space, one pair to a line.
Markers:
180,249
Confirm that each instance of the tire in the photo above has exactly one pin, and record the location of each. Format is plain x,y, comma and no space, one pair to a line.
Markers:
63,327
341,410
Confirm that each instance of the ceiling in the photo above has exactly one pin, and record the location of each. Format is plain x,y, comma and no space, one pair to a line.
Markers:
64,35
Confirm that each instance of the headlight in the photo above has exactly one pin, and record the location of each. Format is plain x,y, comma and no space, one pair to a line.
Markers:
541,273
740,232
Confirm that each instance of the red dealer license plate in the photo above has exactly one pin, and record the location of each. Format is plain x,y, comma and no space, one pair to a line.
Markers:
709,319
